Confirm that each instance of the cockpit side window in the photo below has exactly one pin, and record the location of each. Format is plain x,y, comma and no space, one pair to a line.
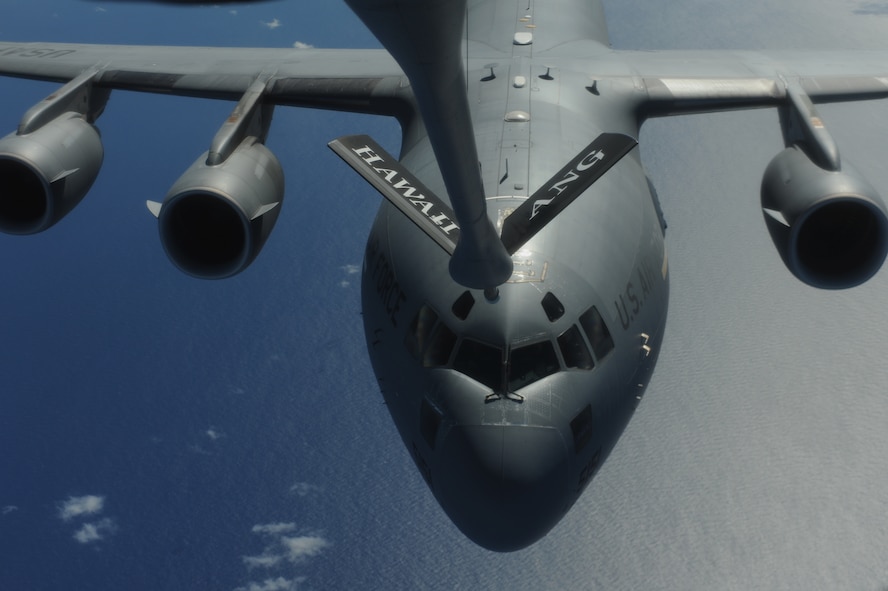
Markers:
480,362
429,340
531,363
429,422
581,427
597,332
574,350
440,348
420,332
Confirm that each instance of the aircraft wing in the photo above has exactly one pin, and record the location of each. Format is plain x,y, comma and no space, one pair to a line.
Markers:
673,82
219,213
358,80
365,80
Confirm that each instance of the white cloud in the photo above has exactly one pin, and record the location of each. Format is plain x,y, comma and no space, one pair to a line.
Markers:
274,528
272,24
302,547
301,45
304,489
100,9
77,506
9,509
214,434
350,270
93,532
278,584
88,533
293,549
263,560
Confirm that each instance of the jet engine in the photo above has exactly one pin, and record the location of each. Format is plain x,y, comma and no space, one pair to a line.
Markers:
216,217
831,228
45,173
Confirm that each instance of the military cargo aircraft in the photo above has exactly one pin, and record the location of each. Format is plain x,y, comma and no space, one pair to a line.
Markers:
515,282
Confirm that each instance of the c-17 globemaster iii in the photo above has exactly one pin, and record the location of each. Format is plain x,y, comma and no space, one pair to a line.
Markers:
515,282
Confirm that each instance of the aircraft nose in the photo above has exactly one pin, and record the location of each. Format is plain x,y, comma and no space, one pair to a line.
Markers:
505,486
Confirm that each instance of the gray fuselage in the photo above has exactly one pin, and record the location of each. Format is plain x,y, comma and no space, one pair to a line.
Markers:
509,405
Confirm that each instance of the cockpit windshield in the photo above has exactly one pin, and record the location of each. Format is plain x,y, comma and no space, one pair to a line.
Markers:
531,363
480,362
505,371
524,365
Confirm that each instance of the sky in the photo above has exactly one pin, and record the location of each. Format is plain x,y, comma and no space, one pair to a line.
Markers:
161,432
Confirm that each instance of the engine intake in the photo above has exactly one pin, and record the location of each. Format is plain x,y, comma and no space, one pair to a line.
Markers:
830,228
46,173
216,218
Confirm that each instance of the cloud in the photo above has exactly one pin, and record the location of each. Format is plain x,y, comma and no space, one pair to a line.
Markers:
78,506
870,8
301,45
350,270
263,560
9,509
304,489
274,528
214,434
197,449
294,549
302,547
278,584
272,24
93,532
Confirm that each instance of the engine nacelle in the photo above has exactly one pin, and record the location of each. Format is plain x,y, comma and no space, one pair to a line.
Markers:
44,174
216,218
831,228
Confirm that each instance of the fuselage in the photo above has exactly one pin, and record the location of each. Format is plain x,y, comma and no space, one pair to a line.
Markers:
509,403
